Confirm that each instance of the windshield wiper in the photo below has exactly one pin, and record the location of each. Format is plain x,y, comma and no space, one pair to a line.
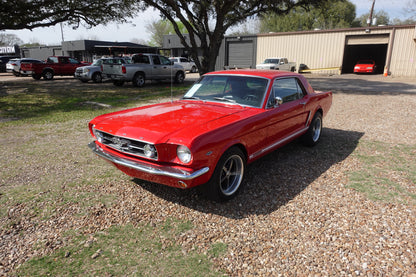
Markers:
191,97
225,99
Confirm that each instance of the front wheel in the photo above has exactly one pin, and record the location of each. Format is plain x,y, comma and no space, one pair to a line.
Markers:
312,136
179,78
96,77
228,176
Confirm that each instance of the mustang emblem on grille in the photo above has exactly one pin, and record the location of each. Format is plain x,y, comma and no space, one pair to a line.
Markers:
120,143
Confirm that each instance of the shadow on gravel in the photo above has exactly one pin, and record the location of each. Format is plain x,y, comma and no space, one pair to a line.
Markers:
362,86
273,180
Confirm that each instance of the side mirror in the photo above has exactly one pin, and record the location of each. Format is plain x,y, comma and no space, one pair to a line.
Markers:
276,102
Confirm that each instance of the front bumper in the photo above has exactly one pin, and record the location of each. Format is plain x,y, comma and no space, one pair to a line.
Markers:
164,171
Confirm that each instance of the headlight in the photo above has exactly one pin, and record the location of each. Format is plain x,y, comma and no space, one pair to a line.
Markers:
149,151
97,134
184,154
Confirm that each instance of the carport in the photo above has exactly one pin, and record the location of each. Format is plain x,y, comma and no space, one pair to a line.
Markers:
359,47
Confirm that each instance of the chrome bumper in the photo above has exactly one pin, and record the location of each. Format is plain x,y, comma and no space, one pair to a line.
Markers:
162,171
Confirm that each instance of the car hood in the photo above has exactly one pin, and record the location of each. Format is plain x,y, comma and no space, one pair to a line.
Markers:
179,121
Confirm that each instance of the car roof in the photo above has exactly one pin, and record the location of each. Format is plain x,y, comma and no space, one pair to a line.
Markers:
270,74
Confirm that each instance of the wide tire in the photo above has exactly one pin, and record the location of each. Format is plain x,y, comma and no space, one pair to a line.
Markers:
96,77
48,75
312,136
139,80
228,176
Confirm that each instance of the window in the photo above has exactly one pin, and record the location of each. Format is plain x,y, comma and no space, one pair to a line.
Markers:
288,89
164,60
155,60
73,61
141,59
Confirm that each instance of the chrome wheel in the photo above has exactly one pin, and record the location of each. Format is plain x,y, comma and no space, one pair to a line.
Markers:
231,175
316,129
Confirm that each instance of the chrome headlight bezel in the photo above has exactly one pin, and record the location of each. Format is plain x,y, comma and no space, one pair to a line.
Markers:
184,154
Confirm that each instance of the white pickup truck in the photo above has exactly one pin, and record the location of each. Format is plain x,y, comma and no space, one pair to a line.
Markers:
144,67
277,64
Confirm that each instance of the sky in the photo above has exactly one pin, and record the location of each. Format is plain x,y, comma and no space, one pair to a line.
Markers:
136,29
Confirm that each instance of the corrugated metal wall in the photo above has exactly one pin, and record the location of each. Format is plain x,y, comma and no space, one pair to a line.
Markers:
325,49
403,58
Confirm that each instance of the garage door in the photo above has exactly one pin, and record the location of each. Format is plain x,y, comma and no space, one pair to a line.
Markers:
240,54
369,39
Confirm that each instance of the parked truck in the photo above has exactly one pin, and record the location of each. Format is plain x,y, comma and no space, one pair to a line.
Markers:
144,67
54,65
277,64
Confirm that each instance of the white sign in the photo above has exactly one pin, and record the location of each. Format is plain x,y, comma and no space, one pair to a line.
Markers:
7,50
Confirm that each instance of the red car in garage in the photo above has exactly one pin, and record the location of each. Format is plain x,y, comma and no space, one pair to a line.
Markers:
225,121
365,66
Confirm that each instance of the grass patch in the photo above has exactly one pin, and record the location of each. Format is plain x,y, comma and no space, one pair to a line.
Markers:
388,172
124,251
53,100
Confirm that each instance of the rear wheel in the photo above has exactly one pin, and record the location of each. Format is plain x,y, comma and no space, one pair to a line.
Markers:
48,75
312,136
193,69
139,80
228,176
97,78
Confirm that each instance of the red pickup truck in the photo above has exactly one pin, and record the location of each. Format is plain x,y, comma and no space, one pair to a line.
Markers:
54,65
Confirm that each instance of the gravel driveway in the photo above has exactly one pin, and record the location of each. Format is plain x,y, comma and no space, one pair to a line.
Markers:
296,215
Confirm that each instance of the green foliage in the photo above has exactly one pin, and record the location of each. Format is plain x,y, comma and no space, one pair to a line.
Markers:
159,28
328,15
388,172
381,16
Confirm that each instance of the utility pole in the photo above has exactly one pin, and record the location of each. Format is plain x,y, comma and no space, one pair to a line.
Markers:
370,18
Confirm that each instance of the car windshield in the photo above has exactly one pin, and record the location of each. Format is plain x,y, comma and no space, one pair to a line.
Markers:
271,61
239,90
365,62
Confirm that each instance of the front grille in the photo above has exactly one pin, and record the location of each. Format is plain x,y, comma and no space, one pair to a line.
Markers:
125,145
79,70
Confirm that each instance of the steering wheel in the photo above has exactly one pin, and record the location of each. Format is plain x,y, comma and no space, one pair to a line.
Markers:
250,97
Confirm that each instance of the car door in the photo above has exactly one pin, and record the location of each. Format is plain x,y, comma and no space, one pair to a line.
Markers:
64,66
161,68
288,118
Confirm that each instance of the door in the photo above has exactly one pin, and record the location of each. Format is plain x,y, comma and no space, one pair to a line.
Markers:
161,67
289,118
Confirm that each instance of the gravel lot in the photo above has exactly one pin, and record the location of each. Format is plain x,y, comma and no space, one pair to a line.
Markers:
296,216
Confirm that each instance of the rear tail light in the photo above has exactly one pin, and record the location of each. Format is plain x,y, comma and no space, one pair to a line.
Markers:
123,69
102,68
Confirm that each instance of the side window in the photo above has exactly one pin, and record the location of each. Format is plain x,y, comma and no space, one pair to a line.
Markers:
183,60
155,60
288,89
164,60
73,61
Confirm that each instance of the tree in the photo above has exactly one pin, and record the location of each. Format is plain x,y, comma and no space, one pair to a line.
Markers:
30,14
159,28
9,39
207,21
330,15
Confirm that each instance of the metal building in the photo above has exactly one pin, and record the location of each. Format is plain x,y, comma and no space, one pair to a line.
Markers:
336,51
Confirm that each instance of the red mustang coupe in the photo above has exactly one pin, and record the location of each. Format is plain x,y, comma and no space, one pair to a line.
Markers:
365,66
225,121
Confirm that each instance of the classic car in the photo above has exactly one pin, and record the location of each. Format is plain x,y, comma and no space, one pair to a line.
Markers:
365,66
225,121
